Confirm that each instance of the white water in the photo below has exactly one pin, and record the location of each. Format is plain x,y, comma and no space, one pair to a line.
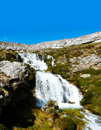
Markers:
34,61
53,60
92,121
49,86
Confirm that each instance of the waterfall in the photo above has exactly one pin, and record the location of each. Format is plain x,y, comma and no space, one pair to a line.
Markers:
34,61
49,86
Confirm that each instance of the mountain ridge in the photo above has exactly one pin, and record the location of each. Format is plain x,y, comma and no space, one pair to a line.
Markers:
94,37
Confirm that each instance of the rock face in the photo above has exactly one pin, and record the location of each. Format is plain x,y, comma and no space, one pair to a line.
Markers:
14,83
81,63
13,46
70,42
95,37
12,69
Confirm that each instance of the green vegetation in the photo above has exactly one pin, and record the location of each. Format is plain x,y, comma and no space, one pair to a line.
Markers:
91,89
75,116
72,121
9,55
51,103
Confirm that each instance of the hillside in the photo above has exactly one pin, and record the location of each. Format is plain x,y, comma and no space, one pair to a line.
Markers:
77,60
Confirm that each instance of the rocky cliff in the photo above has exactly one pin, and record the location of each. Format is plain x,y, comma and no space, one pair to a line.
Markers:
15,83
95,37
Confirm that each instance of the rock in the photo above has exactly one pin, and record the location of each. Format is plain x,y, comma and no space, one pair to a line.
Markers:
81,63
50,119
64,115
71,102
44,107
69,42
95,37
85,76
12,69
14,83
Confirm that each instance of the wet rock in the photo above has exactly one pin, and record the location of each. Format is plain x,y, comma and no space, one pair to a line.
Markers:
71,102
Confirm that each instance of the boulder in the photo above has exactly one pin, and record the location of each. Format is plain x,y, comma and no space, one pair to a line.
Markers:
85,76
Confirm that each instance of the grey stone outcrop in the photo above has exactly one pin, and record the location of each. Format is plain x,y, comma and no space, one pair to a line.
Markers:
12,69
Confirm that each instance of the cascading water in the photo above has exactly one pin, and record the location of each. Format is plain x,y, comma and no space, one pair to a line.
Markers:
34,61
49,86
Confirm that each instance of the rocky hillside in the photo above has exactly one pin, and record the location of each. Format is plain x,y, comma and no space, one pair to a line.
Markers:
95,37
81,65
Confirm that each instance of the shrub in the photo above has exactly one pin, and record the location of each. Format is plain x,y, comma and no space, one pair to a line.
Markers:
51,103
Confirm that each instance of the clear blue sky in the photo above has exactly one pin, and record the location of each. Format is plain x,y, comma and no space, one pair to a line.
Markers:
34,21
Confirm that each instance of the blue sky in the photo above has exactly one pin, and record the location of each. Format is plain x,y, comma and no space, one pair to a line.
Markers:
34,21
